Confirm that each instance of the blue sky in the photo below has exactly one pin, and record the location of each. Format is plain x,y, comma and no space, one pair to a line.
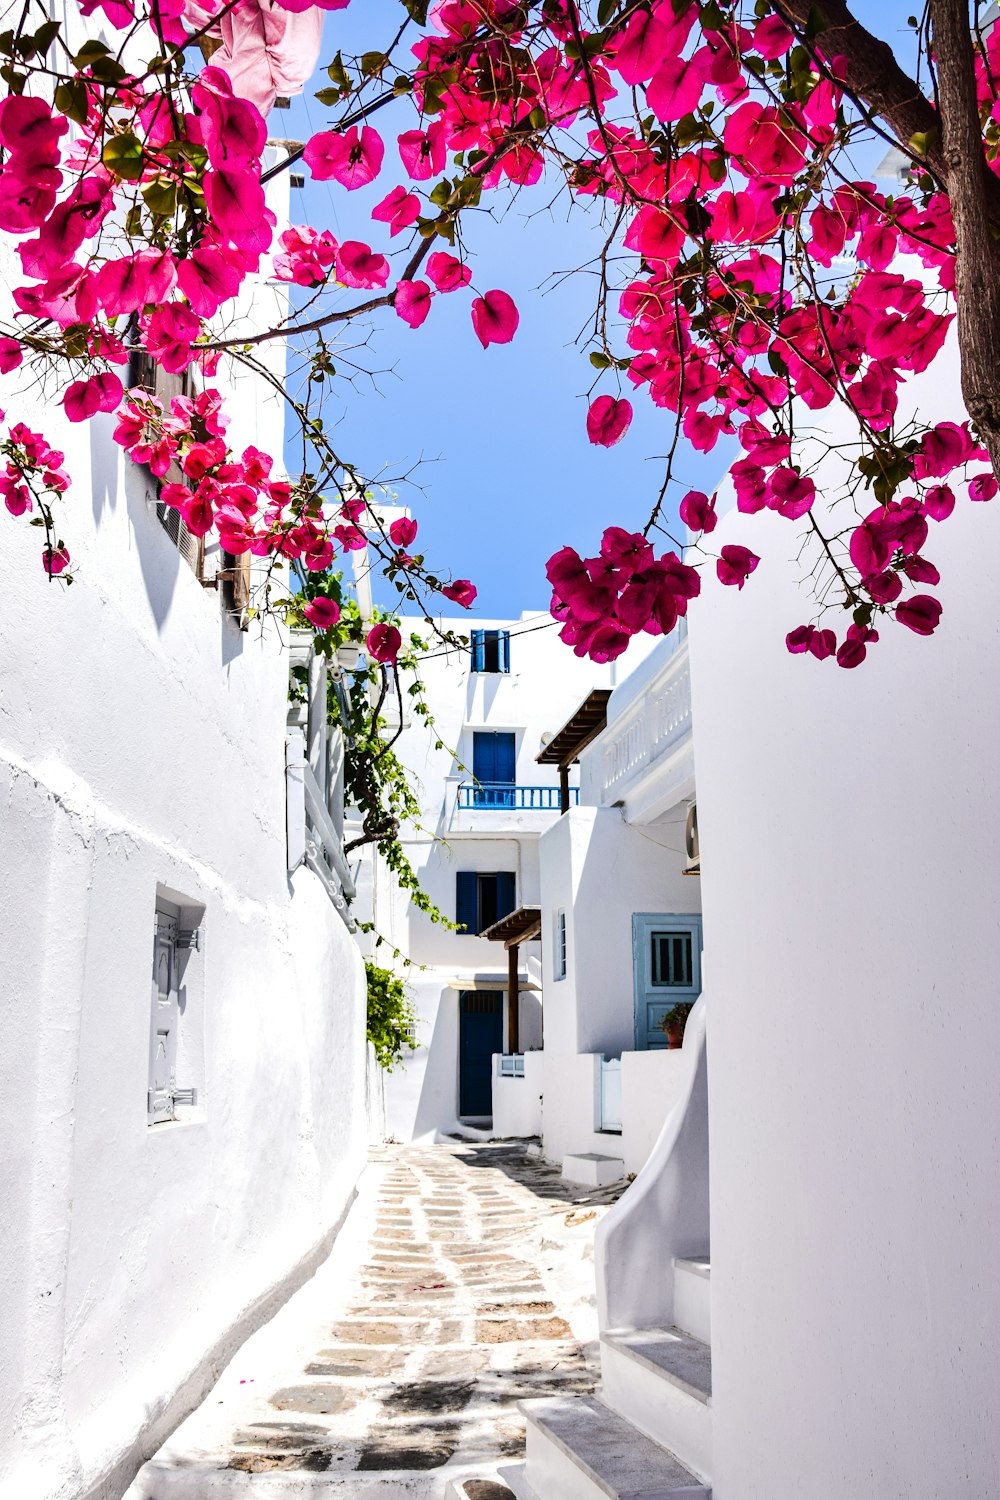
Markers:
504,471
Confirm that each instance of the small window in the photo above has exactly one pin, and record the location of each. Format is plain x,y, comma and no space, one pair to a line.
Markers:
672,959
482,900
490,650
175,1050
559,947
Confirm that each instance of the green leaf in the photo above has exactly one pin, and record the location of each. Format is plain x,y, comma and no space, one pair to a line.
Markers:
605,11
600,361
329,97
71,100
372,63
337,73
122,155
815,21
160,195
417,10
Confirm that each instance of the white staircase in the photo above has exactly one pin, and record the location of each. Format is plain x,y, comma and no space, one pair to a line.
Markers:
647,1435
579,1449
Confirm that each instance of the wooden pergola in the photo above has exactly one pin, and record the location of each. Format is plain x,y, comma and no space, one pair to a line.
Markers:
520,926
582,726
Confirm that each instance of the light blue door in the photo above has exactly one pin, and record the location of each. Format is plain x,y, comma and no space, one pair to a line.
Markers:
666,962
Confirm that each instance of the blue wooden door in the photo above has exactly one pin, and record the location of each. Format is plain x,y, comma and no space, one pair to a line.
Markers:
494,763
480,1034
666,951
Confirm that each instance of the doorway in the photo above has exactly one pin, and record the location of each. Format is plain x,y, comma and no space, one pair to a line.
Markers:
480,1035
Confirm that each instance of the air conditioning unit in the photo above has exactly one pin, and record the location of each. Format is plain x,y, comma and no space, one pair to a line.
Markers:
693,866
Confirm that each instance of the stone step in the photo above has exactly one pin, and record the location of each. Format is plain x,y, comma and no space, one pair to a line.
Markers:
693,1295
592,1169
480,1487
660,1380
580,1449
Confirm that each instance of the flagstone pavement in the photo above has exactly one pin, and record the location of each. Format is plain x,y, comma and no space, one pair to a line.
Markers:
461,1283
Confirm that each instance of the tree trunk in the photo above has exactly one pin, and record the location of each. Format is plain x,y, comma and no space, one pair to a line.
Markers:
977,266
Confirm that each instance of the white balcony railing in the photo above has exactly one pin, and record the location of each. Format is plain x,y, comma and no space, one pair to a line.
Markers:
645,754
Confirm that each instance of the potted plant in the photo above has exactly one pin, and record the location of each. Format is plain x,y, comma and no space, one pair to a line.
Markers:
673,1024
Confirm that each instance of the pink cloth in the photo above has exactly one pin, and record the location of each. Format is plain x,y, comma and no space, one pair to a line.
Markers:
266,51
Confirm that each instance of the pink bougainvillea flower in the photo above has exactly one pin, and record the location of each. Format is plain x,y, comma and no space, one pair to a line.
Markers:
399,209
322,612
983,487
352,157
919,570
854,650
771,37
494,318
208,279
792,493
85,397
608,421
762,142
413,302
11,355
697,511
423,152
939,502
461,592
403,531
921,613
447,273
55,560
676,87
383,642
820,643
735,565
361,268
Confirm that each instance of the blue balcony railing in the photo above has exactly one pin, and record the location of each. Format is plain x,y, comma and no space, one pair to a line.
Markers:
500,794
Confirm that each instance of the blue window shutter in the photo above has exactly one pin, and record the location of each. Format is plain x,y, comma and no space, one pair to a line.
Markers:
484,756
478,644
506,894
505,650
505,761
467,900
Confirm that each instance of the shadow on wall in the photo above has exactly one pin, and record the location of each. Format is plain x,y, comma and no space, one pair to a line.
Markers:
437,1106
105,457
159,560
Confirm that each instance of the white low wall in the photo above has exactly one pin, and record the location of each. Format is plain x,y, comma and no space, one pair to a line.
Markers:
517,1102
652,1082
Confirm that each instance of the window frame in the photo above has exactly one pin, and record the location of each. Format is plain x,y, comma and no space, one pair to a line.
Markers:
481,644
560,945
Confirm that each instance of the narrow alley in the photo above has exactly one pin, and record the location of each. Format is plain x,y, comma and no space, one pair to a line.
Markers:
461,1282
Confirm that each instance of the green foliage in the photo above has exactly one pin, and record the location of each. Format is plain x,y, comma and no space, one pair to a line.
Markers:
375,780
391,1017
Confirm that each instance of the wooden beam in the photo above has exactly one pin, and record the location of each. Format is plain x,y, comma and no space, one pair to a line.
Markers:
513,1000
563,789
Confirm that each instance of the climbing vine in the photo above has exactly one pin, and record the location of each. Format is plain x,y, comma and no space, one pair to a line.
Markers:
391,1017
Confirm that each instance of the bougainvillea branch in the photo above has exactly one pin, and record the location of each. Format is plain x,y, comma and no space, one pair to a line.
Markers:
747,280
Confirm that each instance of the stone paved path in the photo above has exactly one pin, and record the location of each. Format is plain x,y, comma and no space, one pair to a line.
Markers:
461,1283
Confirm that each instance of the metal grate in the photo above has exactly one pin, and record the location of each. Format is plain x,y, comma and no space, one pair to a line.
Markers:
482,1002
673,959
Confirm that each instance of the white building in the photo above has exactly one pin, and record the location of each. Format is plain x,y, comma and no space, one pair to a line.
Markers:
837,1331
486,802
621,922
182,1086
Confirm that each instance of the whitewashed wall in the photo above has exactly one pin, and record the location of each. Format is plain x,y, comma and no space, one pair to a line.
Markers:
142,744
599,870
850,828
